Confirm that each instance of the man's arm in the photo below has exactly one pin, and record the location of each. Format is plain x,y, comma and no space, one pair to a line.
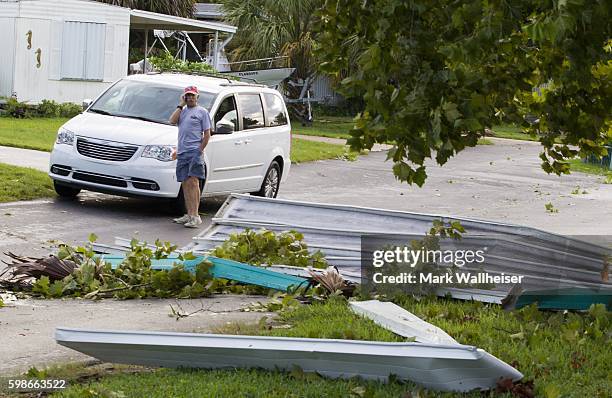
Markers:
174,118
205,138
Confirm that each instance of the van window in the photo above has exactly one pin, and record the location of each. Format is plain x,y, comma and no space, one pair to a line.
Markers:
143,100
226,115
275,111
252,111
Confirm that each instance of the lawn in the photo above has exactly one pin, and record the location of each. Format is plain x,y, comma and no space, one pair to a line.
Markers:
21,183
35,133
564,354
326,126
589,168
512,132
308,151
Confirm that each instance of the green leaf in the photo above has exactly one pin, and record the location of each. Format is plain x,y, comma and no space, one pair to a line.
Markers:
92,237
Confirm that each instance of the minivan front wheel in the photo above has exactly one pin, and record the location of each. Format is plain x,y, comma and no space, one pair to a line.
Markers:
65,191
271,182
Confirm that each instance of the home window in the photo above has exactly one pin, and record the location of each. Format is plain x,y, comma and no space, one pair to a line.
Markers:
83,50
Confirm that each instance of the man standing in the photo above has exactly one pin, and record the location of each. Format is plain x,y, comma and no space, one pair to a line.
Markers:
193,135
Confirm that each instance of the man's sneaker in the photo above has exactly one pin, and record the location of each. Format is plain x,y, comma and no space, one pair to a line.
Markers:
183,219
195,222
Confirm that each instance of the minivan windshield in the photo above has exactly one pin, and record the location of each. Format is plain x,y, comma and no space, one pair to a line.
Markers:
148,101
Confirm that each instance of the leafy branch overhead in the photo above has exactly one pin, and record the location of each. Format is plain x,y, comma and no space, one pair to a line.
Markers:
435,74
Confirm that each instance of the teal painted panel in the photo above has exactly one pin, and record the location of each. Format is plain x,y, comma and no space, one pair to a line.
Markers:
227,269
565,299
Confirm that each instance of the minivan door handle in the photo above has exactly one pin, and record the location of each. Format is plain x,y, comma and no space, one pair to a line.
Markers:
247,140
238,142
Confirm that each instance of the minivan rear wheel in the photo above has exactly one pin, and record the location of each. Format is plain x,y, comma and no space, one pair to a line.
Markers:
271,182
65,191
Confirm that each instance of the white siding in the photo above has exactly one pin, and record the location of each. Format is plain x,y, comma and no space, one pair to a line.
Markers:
75,10
46,20
30,79
9,9
7,47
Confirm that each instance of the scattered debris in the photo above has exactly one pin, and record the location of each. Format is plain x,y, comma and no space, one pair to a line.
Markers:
546,260
23,269
332,281
438,367
401,322
226,269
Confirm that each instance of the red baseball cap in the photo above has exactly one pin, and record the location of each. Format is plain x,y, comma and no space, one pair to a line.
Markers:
191,90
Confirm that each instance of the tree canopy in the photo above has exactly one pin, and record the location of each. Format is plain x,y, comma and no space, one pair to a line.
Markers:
435,73
268,28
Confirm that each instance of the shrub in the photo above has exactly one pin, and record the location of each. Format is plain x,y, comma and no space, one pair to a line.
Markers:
167,62
48,108
69,109
16,108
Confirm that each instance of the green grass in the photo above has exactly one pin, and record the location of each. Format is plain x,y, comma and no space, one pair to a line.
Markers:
35,133
484,141
589,168
512,132
22,183
308,151
566,355
326,126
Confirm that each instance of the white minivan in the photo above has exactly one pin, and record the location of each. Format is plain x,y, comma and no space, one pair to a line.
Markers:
122,143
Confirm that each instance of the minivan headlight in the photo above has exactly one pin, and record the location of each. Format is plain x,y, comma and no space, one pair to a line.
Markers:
64,136
159,152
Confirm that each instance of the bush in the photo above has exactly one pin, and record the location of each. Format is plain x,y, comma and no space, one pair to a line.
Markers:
17,109
348,107
48,108
167,62
69,109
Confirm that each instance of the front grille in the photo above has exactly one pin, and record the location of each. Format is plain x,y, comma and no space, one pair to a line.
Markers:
105,150
100,179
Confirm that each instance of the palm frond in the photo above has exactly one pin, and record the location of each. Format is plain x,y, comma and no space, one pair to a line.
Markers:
23,269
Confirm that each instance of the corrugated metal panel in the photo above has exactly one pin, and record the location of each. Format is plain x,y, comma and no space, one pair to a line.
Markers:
83,49
7,47
73,50
75,10
401,322
439,367
95,51
322,90
545,260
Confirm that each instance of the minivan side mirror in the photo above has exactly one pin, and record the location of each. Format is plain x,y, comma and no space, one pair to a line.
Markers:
224,128
86,103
